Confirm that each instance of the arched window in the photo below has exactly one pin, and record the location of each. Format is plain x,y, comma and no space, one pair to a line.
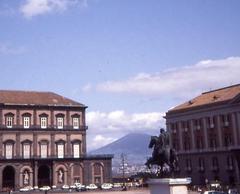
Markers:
76,146
75,121
26,120
9,118
60,120
60,148
43,120
26,149
43,149
9,149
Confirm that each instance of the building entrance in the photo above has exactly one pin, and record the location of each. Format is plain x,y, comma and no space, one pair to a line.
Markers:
44,176
8,178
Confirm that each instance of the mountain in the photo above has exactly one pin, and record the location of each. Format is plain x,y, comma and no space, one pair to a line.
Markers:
134,146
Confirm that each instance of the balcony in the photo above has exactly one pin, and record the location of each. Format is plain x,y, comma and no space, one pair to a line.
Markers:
38,128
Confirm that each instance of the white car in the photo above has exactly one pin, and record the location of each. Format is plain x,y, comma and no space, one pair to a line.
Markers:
54,186
45,188
106,186
27,188
214,192
65,187
73,186
91,187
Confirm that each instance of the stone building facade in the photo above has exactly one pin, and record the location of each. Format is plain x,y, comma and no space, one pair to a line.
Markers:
205,131
43,142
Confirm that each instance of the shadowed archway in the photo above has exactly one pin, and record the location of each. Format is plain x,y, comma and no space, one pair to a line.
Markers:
44,176
8,178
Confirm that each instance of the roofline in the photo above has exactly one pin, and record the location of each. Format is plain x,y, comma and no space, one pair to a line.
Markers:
196,107
44,105
221,88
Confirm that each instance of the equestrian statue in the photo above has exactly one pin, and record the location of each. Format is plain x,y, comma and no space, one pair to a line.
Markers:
163,155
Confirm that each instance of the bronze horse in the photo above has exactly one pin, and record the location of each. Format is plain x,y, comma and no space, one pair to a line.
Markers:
161,156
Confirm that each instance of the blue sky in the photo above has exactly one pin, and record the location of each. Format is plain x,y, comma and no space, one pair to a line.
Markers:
128,60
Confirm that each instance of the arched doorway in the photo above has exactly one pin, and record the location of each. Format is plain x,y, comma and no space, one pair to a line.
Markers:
8,178
44,176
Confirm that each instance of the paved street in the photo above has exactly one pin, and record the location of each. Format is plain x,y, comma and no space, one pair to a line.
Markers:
131,191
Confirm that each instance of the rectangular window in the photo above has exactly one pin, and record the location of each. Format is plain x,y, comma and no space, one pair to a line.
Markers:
76,150
26,150
43,150
60,123
75,123
9,151
9,122
43,122
60,150
26,122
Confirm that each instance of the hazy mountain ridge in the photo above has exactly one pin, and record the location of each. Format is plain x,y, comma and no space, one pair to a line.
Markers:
134,146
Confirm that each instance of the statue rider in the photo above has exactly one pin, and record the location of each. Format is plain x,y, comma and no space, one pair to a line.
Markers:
162,144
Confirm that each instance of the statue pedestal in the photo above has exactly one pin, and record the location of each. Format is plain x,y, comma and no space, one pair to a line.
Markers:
169,185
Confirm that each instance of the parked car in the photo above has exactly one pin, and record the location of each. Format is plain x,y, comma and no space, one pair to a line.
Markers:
91,187
233,191
214,192
54,187
65,187
45,188
117,185
106,186
27,188
80,187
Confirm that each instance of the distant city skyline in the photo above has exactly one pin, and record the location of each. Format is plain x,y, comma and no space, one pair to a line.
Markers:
129,61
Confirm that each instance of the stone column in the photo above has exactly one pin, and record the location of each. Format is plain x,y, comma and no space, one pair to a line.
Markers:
219,131
52,144
35,173
1,117
52,119
34,118
17,174
35,144
180,135
18,144
18,117
1,170
68,118
205,133
238,122
69,153
1,146
234,128
84,143
68,175
192,134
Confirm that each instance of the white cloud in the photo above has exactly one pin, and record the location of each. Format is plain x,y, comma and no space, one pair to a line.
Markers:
7,49
180,82
111,125
87,87
38,7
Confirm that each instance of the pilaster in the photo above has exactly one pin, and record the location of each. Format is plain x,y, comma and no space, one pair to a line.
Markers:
193,143
18,144
52,143
180,135
35,144
69,145
219,131
18,117
234,128
205,133
1,117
